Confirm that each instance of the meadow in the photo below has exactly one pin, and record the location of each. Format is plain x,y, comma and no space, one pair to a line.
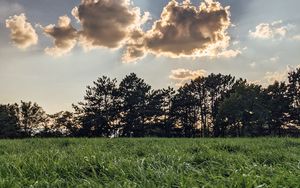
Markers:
150,162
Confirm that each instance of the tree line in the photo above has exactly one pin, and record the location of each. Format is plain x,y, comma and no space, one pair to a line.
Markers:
213,106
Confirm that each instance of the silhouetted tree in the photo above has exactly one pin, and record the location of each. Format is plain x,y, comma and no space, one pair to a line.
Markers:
99,110
9,127
209,92
278,104
153,113
294,94
62,124
244,112
134,93
184,108
200,95
32,118
216,105
218,87
158,118
166,106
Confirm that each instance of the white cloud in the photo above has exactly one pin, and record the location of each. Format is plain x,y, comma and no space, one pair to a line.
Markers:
271,77
23,34
235,42
280,75
273,30
181,76
229,53
274,59
296,37
253,64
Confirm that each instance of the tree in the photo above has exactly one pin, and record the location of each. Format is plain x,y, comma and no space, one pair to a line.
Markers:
278,105
63,124
218,87
32,118
216,105
200,95
166,106
9,127
184,108
99,110
209,92
153,113
134,93
158,119
244,112
294,94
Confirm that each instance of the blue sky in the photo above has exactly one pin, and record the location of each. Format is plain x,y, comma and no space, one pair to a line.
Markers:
56,83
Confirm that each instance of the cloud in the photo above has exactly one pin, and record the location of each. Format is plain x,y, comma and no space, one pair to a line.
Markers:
229,53
296,37
23,34
270,31
281,75
65,37
182,76
274,59
185,30
253,64
271,77
106,23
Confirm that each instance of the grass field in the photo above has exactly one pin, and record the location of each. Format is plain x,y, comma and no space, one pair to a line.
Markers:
146,162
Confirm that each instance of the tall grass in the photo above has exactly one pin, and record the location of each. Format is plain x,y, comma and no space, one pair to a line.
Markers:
150,162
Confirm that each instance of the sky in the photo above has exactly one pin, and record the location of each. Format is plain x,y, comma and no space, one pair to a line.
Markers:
50,50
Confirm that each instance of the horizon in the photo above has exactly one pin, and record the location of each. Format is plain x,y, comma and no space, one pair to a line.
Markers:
245,40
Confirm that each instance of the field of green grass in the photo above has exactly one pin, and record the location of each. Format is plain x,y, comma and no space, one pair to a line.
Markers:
146,162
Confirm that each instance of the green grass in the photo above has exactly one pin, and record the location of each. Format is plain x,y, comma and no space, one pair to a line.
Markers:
260,162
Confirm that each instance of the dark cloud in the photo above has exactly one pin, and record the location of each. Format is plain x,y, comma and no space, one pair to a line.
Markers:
65,37
106,23
237,7
185,30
